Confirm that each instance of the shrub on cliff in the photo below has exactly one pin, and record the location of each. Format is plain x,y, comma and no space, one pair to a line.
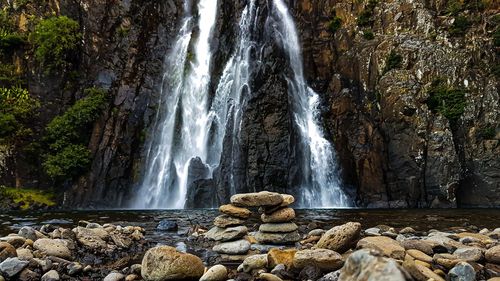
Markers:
392,61
446,100
365,18
460,26
16,109
334,24
67,136
55,40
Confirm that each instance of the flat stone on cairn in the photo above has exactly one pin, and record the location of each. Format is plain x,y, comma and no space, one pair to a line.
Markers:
229,231
278,227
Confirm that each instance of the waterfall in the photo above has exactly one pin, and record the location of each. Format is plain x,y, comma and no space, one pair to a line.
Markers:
323,187
181,129
189,127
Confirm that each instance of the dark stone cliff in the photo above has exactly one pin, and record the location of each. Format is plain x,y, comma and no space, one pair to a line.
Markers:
393,150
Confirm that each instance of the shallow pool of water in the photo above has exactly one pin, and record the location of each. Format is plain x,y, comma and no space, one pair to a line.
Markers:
420,219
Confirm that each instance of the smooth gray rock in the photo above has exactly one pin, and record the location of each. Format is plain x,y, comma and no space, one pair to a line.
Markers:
12,266
28,233
462,272
226,234
278,227
51,276
362,263
114,276
237,247
215,273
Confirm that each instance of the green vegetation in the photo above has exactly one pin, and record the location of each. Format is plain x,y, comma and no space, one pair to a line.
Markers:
488,133
10,41
496,70
67,135
55,41
71,161
459,26
496,37
16,109
368,35
334,24
27,197
366,16
446,100
455,7
392,61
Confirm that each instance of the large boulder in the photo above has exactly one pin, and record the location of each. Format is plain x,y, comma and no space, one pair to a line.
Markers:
166,263
53,247
324,259
263,198
363,265
340,238
387,246
226,234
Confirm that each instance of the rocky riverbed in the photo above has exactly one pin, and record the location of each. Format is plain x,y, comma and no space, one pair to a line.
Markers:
254,239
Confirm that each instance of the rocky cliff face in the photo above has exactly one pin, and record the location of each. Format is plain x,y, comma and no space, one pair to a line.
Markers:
391,145
393,149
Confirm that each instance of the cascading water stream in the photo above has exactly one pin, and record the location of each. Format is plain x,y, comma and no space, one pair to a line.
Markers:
180,132
323,187
188,127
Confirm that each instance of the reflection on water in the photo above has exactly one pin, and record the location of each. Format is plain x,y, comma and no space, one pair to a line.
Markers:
420,219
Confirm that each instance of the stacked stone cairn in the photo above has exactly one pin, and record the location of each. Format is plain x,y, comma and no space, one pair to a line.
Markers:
230,232
277,226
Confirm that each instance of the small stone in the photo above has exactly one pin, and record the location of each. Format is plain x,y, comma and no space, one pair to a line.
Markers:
269,277
387,246
310,272
493,254
462,272
237,247
165,263
12,266
420,272
24,254
114,276
254,262
45,264
418,255
167,225
28,233
74,268
264,198
277,238
316,232
215,273
235,211
132,277
469,254
340,238
420,245
51,276
28,275
135,268
446,260
15,240
281,215
322,258
332,276
225,221
7,251
373,231
226,234
407,230
278,227
53,247
277,256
